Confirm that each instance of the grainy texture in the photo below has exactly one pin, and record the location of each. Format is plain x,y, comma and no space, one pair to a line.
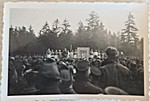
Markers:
1,15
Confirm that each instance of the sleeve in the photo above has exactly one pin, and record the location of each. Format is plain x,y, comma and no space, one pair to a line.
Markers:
102,79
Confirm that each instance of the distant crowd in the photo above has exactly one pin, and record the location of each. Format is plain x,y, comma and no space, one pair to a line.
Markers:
62,72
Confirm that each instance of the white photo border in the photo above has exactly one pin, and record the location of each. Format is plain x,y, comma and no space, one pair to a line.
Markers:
5,51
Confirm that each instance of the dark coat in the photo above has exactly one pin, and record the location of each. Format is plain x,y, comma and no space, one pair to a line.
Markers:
47,86
85,87
66,73
115,74
19,67
12,79
49,79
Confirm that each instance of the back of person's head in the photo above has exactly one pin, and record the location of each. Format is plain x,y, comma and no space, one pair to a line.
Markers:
112,52
12,59
49,69
64,53
31,77
133,66
83,69
82,65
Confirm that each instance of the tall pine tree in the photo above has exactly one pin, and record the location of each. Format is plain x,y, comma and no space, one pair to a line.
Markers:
93,20
129,33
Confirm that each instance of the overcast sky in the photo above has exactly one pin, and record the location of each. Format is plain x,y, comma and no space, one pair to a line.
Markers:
113,15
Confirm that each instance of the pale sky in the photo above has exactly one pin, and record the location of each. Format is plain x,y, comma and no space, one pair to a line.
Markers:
113,15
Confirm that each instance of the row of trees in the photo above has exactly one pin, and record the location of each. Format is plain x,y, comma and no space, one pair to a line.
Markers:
60,36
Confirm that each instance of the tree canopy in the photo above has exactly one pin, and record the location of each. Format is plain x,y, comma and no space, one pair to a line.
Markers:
59,36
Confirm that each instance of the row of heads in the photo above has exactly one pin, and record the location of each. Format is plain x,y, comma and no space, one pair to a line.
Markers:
110,52
82,65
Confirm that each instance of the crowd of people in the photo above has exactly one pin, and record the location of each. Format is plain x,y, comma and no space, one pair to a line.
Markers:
64,73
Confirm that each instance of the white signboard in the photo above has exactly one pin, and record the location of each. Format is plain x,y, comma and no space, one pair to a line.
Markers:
83,52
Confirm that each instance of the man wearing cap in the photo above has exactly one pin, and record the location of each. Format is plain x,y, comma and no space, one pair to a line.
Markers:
113,73
49,78
82,83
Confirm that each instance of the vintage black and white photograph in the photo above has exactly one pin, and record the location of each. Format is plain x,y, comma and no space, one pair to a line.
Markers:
76,48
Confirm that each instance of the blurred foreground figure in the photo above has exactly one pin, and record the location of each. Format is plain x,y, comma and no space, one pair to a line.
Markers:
66,72
31,78
38,74
114,91
12,77
82,83
66,85
49,78
113,73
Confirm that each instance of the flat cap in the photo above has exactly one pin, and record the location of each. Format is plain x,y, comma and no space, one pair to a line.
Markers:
82,65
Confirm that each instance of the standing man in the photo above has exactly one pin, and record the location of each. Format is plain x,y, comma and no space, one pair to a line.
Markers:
49,78
113,73
82,83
